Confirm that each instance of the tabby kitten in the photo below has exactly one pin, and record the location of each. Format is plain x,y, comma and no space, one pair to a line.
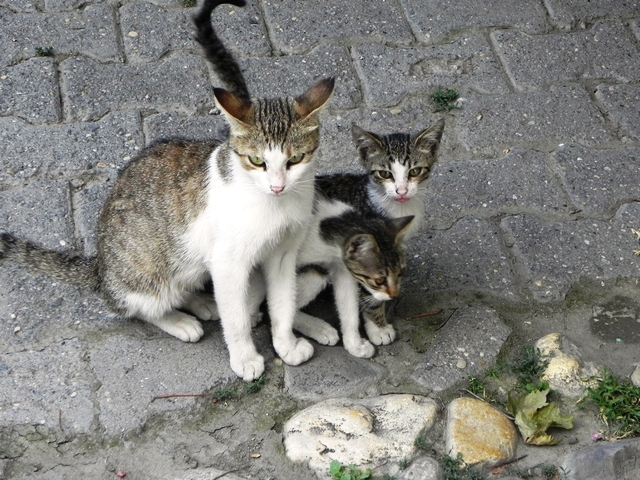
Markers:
184,211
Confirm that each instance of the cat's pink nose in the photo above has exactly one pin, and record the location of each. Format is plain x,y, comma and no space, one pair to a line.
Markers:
402,190
276,190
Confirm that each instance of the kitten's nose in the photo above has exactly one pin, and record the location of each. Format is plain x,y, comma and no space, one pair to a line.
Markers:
276,190
393,291
402,190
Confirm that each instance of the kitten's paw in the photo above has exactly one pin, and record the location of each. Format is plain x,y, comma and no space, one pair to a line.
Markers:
360,348
180,325
256,319
315,328
327,335
380,336
203,306
298,352
249,369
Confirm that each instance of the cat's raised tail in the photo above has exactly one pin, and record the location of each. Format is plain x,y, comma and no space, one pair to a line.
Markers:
223,62
75,269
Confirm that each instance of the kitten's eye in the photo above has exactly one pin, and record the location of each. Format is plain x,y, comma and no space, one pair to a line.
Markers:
415,172
296,159
257,161
385,174
380,281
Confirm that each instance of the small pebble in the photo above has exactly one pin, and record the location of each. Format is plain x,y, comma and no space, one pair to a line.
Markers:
16,330
73,394
461,364
133,34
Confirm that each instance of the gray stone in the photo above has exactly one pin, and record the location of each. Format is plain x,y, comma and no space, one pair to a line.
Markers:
30,91
599,180
568,14
87,203
605,460
265,75
19,5
435,21
296,27
90,89
56,394
469,255
171,125
39,212
91,32
63,4
423,468
518,182
622,103
605,51
635,26
388,74
476,335
67,150
556,255
150,31
491,123
330,373
635,376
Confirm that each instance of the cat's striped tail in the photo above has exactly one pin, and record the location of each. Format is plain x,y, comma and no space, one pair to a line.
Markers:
224,63
75,269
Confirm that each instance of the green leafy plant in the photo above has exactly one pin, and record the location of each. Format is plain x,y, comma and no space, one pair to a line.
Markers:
419,443
189,3
534,415
529,367
619,404
256,385
456,469
445,99
349,472
223,394
44,51
403,463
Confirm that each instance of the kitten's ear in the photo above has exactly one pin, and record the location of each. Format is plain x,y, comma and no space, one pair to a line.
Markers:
315,98
234,108
366,142
428,141
360,246
397,227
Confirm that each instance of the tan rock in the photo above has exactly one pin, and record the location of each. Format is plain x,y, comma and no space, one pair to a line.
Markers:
479,432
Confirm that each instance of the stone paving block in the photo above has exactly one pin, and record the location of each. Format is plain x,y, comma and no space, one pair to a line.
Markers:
150,31
130,368
90,32
433,21
388,74
469,255
556,255
570,13
67,150
622,103
599,180
295,27
51,387
292,75
30,91
489,123
331,372
170,125
604,460
62,5
605,51
518,182
19,6
467,345
40,212
635,26
87,203
91,90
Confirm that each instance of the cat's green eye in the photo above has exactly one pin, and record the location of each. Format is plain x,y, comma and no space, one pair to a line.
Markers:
257,161
380,281
415,172
385,174
296,159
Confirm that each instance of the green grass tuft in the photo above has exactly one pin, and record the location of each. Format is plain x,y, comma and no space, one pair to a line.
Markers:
349,472
456,469
445,99
189,3
256,385
44,51
619,404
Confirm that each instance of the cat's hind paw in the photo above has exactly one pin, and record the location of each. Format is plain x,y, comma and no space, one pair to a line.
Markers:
249,369
360,348
180,325
295,354
380,336
315,328
203,306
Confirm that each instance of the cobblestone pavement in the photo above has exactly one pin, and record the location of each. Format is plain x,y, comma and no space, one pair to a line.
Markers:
530,210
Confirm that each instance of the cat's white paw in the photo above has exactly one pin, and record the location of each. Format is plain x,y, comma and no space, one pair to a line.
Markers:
380,336
256,318
203,306
296,353
315,328
250,368
327,335
360,348
180,325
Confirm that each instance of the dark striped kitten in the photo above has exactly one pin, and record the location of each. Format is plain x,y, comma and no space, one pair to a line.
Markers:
183,212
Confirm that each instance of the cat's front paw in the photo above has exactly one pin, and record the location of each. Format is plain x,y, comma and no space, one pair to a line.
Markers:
298,352
360,348
380,336
249,369
203,306
327,336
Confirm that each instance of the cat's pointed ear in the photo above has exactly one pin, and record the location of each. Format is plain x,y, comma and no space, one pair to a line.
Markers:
397,227
428,141
234,108
360,246
314,98
366,142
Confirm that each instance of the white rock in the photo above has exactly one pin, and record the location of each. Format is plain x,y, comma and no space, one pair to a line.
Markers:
424,468
368,433
635,376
